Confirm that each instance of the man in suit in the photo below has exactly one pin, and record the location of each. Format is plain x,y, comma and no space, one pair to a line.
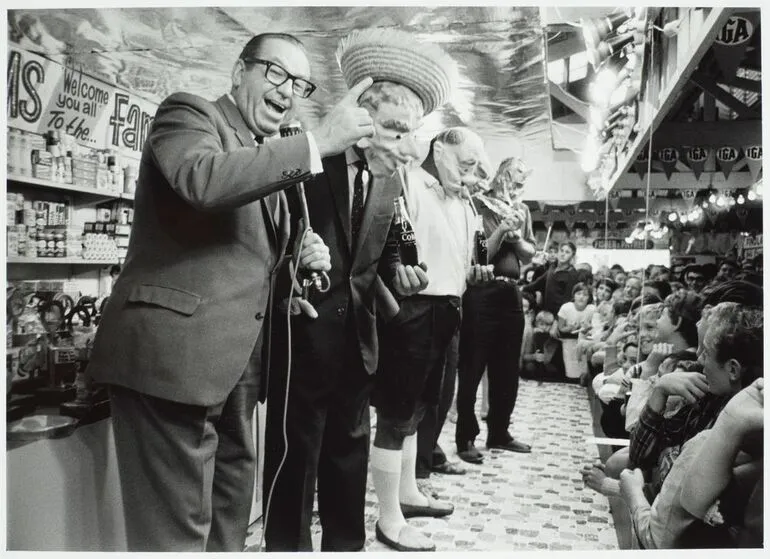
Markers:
334,356
180,342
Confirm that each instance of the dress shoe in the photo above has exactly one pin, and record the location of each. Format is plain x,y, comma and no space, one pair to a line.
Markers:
470,453
434,509
408,540
511,444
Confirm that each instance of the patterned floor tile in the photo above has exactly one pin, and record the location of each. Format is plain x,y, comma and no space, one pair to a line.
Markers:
517,501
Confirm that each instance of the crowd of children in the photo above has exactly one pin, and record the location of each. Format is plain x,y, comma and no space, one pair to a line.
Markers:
676,363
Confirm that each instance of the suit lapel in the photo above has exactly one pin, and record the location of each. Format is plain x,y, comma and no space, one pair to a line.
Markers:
337,173
245,137
381,189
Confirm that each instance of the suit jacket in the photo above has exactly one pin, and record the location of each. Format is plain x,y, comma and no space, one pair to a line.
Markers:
355,286
189,304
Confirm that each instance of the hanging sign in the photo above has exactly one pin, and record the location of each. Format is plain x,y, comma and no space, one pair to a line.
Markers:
731,43
44,95
726,158
753,156
668,157
696,157
640,163
688,194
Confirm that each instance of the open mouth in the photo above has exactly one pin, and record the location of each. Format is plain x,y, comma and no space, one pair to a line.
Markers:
276,107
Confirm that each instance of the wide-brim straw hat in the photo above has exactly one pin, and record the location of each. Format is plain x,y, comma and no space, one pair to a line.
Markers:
397,56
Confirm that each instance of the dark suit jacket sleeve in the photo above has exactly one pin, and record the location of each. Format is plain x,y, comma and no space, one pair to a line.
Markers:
186,145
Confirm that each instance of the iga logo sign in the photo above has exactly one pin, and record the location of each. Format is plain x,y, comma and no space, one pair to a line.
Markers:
727,153
735,32
698,154
668,155
753,152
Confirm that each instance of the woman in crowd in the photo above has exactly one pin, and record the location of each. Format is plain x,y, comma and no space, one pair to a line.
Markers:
493,322
605,287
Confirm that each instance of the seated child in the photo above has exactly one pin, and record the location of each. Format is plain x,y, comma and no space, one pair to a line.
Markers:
538,358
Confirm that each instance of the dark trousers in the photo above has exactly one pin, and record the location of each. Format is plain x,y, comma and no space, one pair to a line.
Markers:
187,472
327,428
490,338
429,452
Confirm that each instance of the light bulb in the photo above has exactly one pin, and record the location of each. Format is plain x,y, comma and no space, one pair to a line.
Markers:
741,199
665,229
731,201
752,195
705,205
685,218
673,216
721,201
712,199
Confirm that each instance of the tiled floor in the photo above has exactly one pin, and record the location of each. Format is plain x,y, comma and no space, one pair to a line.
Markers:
517,501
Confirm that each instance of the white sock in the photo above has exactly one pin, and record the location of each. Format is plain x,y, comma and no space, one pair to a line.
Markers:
408,491
386,475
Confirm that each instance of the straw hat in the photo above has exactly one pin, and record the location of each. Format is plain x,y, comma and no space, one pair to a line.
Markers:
397,56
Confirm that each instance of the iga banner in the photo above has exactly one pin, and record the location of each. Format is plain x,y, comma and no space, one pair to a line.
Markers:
44,95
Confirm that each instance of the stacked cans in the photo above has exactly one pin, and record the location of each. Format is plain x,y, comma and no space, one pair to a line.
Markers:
38,229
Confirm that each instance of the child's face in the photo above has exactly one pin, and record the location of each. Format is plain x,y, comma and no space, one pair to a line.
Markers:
603,293
543,324
580,298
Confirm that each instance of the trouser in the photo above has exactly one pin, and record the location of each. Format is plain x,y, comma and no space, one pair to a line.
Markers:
413,348
429,452
490,338
187,472
327,428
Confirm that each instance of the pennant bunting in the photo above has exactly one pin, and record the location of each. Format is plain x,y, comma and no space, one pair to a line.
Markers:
640,163
696,157
726,158
668,157
753,156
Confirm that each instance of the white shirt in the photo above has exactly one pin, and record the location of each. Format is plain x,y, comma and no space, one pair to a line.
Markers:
316,165
444,227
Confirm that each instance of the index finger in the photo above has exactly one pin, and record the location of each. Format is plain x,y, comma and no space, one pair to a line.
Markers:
356,91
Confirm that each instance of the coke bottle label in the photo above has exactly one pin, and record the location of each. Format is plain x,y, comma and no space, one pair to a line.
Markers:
407,237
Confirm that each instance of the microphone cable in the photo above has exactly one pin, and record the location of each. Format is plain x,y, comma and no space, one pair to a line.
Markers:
293,272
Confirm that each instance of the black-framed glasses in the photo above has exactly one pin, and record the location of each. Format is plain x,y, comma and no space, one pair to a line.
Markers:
277,75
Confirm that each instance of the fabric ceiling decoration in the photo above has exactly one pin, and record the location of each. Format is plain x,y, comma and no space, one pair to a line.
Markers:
157,51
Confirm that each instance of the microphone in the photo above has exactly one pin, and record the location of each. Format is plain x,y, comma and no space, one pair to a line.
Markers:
294,128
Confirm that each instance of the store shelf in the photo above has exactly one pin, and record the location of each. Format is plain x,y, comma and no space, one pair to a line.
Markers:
42,183
78,261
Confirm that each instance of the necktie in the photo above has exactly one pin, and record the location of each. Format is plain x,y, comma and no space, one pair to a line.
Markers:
357,211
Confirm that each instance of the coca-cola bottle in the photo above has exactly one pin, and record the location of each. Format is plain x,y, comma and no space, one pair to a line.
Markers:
480,254
404,234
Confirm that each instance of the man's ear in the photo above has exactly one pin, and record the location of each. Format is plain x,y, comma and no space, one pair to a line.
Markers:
438,150
734,370
237,74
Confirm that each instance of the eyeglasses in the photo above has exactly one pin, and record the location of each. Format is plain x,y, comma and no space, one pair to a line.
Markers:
277,75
